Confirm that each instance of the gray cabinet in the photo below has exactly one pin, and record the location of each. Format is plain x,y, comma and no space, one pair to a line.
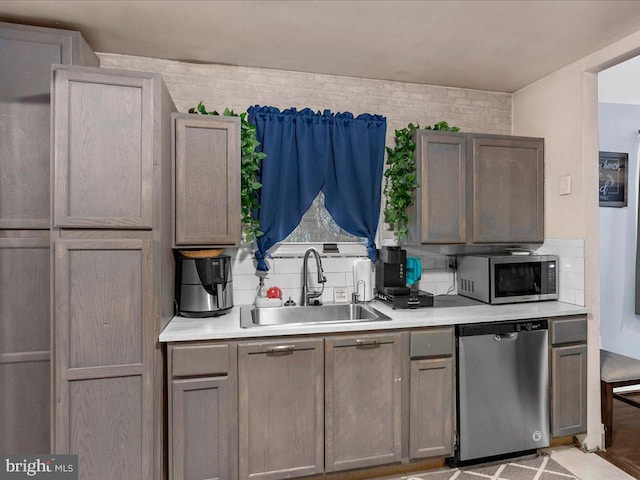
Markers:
24,341
477,189
113,269
438,212
103,356
202,414
568,376
363,401
280,414
432,387
104,149
508,189
26,56
207,180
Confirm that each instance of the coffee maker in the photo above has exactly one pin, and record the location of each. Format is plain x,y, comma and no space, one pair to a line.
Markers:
391,281
391,271
204,286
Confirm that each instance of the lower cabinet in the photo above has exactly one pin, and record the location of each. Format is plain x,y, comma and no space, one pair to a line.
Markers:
568,390
202,411
281,406
201,427
431,408
363,401
568,352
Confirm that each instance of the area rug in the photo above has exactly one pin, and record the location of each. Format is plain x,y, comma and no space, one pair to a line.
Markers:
540,468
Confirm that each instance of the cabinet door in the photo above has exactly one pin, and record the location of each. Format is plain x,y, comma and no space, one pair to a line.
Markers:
281,401
25,90
363,401
207,180
508,189
200,429
442,161
568,390
431,408
103,149
103,357
24,343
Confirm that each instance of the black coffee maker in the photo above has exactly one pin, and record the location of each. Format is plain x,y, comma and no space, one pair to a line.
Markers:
391,267
391,281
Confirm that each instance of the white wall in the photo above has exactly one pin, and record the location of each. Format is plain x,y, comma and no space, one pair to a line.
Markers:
563,108
619,326
619,84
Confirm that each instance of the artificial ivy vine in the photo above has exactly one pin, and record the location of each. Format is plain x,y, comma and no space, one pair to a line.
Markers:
400,180
400,176
249,169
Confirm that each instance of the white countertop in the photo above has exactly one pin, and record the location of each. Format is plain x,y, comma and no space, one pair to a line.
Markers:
182,329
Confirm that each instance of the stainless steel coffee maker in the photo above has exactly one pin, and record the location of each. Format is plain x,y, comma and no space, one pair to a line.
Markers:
204,286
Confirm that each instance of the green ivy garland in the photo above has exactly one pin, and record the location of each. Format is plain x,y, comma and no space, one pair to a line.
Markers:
400,180
249,169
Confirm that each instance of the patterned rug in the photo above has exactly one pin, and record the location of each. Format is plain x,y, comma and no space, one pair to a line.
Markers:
540,468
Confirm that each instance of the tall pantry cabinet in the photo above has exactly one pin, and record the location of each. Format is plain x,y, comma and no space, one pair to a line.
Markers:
26,56
112,268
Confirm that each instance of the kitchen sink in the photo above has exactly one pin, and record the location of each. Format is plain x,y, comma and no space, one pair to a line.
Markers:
311,315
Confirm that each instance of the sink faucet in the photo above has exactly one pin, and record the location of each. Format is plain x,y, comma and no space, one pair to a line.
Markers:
307,293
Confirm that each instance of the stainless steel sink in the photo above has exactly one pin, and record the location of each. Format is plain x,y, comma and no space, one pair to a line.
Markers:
312,315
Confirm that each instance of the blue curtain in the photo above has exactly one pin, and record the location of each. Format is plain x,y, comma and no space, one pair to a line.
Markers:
308,152
353,182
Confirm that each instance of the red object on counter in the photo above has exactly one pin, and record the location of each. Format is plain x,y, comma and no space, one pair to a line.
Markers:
274,292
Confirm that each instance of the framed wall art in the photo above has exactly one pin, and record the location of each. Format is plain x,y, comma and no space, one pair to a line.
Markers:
614,174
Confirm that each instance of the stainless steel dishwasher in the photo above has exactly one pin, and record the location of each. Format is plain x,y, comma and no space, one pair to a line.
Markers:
503,389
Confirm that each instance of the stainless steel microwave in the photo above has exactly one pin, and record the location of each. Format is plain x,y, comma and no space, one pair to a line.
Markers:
508,278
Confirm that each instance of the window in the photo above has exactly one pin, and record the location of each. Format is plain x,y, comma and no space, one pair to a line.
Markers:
317,226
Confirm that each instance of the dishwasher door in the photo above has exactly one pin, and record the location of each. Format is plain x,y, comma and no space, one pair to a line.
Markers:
503,389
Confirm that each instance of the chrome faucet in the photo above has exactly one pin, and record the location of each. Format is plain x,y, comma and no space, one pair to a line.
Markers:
307,293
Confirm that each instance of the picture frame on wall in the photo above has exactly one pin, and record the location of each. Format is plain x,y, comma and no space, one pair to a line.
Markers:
613,168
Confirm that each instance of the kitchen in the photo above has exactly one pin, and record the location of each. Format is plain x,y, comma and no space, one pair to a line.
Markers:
238,87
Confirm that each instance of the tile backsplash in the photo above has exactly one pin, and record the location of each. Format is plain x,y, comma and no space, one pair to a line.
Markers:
286,271
571,254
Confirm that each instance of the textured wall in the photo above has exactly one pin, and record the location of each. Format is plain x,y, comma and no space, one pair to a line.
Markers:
221,86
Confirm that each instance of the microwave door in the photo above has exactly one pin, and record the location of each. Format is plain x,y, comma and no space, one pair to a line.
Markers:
517,281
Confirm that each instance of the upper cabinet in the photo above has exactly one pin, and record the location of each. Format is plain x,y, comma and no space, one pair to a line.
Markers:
477,189
508,189
26,56
104,145
206,155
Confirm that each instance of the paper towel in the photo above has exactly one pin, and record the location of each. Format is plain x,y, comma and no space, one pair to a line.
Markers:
363,271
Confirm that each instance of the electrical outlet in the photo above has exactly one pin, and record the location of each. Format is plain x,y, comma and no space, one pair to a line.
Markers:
452,263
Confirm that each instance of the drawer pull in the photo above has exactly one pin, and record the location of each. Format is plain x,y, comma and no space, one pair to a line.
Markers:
368,343
281,349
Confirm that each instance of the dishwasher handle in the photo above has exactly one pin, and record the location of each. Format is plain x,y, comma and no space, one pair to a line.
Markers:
505,337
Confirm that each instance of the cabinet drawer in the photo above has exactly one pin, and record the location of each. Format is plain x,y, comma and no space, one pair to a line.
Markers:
568,330
199,360
437,342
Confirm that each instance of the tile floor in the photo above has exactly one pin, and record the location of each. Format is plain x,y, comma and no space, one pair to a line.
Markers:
560,463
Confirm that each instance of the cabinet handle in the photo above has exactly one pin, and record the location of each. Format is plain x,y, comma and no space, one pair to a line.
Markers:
281,349
368,343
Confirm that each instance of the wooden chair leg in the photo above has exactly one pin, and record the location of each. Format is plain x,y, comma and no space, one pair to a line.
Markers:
606,407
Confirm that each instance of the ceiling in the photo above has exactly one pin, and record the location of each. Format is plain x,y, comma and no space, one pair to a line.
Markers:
488,45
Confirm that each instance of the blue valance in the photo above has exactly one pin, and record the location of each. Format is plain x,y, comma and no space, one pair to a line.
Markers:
308,152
